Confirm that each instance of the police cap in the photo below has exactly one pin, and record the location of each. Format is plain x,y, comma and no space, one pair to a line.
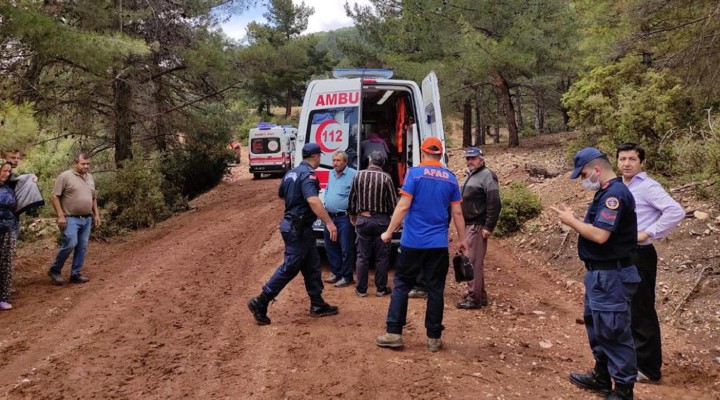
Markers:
310,149
583,157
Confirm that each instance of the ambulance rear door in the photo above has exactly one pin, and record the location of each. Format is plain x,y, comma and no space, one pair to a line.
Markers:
433,124
331,118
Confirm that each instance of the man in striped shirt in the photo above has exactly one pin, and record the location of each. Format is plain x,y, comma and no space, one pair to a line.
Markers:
370,205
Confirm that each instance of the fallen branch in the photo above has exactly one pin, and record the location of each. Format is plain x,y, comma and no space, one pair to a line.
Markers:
562,245
694,288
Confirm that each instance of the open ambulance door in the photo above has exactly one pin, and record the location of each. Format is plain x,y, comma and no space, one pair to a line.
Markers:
331,118
431,107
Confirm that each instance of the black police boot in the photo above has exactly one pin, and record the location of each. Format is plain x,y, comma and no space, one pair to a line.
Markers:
597,380
323,310
623,391
258,307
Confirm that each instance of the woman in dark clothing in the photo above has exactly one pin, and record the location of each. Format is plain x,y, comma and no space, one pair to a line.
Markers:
7,234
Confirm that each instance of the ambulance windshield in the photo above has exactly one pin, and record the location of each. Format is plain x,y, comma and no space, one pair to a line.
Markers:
335,129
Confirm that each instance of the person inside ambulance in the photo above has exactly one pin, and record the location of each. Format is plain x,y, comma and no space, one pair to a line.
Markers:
373,143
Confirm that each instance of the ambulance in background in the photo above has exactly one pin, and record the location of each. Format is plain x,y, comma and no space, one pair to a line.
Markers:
338,114
271,149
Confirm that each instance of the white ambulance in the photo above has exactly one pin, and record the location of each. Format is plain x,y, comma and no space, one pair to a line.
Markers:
360,104
271,149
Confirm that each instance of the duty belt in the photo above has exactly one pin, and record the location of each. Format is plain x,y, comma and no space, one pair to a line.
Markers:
337,214
608,264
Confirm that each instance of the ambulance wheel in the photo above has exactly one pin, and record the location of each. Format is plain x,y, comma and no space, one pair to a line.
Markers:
256,175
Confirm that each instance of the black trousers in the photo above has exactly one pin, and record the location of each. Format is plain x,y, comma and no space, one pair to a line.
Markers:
645,326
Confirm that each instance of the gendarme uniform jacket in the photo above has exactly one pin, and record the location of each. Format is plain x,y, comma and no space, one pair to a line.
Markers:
481,198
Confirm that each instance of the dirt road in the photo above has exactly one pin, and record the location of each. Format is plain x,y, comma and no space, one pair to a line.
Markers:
164,317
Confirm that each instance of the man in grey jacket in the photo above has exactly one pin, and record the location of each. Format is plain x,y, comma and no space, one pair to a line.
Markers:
481,209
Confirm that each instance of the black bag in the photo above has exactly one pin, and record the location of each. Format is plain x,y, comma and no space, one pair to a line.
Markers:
463,269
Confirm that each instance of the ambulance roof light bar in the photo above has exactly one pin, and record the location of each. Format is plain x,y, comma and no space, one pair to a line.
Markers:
362,73
265,125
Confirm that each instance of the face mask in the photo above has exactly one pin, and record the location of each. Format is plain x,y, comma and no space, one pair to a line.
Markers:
588,184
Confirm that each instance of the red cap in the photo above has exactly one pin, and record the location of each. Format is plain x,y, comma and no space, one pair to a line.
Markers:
432,145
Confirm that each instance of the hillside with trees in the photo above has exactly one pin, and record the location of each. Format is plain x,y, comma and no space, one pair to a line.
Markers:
154,88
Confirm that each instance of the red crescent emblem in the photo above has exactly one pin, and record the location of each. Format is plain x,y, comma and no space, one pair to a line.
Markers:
318,135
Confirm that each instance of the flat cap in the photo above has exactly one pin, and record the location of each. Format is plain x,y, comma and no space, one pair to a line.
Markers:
474,152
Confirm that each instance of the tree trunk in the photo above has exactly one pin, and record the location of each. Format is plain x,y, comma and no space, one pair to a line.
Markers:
566,119
467,124
479,123
496,127
565,86
509,110
161,129
122,93
518,111
288,103
539,116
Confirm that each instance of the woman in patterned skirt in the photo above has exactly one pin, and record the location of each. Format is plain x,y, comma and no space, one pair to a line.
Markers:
7,234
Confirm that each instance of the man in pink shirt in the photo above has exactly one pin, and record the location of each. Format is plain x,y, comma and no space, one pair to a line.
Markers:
657,215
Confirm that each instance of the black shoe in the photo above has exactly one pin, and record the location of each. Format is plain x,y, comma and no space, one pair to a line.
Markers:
383,292
470,304
323,310
623,391
56,278
259,311
77,278
597,382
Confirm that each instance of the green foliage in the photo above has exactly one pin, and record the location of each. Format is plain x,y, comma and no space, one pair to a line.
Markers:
17,126
519,204
47,160
131,197
626,99
52,37
199,165
627,102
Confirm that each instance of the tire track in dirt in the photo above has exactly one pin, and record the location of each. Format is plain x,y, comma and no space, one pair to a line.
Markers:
159,291
165,317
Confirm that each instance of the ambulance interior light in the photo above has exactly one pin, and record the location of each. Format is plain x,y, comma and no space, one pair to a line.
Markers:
362,73
386,96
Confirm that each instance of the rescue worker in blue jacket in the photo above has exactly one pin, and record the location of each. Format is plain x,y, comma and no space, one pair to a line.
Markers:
607,238
299,189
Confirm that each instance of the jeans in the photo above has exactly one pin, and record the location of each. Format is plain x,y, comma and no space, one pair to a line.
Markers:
75,240
341,253
434,264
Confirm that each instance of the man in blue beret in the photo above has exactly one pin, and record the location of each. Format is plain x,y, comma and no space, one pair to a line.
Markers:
300,189
607,240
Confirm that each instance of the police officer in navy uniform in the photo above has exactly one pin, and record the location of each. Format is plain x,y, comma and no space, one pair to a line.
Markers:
300,189
607,238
